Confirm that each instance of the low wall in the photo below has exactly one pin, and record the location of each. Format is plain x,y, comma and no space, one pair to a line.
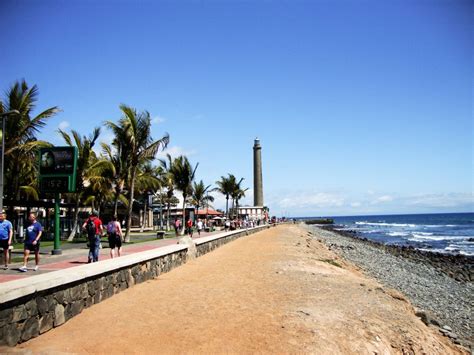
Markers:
34,305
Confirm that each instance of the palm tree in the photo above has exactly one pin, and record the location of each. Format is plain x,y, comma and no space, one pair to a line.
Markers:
237,194
21,144
226,186
183,176
85,159
168,184
117,156
200,195
135,130
100,180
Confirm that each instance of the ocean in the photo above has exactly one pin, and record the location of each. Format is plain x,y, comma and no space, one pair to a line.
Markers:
451,233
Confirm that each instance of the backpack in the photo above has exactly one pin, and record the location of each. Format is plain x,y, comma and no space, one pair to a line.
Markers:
112,228
90,228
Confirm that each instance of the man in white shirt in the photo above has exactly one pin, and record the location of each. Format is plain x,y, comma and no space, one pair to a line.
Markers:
199,226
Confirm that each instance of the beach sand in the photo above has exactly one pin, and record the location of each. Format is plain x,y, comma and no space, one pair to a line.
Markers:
277,291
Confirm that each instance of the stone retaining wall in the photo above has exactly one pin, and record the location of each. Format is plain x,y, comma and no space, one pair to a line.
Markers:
32,306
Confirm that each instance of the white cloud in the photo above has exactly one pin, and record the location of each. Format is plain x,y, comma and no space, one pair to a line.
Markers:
157,120
63,125
382,199
175,151
310,200
313,203
448,200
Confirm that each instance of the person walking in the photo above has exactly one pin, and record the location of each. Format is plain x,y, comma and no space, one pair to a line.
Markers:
114,232
6,234
177,226
189,227
199,226
93,227
32,242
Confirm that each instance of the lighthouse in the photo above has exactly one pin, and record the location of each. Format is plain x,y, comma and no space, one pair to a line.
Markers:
257,174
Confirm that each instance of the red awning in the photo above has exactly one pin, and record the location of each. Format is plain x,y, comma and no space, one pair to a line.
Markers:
209,212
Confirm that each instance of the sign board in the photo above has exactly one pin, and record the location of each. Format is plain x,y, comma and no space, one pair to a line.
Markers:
57,169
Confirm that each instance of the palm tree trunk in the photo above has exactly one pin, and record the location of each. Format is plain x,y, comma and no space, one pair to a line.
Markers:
75,222
144,220
161,212
184,215
168,217
227,206
117,194
130,207
197,213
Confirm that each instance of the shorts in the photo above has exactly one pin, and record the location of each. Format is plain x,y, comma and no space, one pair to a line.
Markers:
115,242
4,244
32,248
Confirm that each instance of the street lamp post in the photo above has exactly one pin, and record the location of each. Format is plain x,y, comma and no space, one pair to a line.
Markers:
4,116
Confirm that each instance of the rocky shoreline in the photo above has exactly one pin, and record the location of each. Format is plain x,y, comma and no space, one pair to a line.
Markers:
440,286
459,267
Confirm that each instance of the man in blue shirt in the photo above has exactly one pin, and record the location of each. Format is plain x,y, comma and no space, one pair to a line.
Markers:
32,241
6,233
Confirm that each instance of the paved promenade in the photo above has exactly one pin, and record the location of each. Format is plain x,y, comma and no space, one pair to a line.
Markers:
77,255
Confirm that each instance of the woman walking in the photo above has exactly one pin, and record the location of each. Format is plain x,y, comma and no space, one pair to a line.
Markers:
114,232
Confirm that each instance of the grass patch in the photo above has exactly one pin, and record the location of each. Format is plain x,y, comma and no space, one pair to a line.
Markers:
331,261
46,243
19,259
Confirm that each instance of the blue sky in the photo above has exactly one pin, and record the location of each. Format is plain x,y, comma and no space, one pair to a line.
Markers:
362,107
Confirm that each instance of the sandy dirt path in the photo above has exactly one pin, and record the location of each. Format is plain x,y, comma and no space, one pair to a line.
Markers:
277,291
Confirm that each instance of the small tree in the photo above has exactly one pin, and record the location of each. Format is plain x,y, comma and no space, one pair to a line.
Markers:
225,187
183,176
200,195
168,184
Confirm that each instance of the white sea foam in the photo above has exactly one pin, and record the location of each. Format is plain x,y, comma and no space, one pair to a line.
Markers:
433,250
439,225
421,237
386,224
451,248
398,234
